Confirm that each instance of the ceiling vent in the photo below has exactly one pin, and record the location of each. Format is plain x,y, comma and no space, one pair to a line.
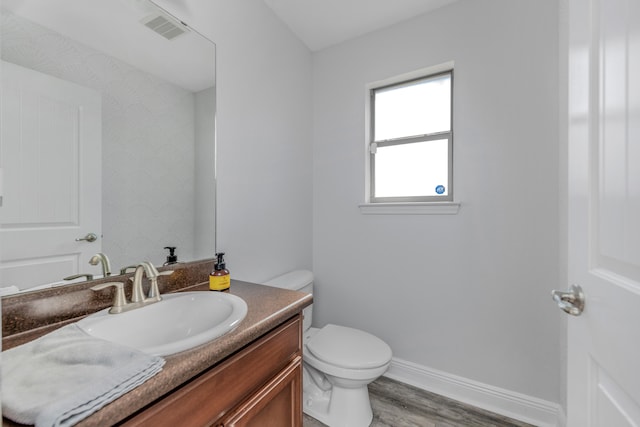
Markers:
164,25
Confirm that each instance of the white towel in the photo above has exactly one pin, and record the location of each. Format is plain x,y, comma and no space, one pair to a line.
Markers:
65,376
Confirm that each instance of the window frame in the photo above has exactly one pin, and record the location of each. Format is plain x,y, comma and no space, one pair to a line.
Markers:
372,144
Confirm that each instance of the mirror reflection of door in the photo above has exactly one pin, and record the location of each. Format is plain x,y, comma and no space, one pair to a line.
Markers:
50,155
157,121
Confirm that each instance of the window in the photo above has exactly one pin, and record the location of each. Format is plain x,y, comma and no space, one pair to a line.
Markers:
411,141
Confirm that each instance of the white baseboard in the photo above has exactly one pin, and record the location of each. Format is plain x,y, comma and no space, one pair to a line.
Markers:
514,405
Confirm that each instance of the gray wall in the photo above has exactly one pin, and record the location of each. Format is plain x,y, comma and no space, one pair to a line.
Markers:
467,294
263,136
204,226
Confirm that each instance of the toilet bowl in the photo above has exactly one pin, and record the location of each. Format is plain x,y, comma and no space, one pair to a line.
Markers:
338,364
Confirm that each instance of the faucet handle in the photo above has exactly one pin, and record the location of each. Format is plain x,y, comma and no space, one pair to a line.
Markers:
119,300
165,273
125,270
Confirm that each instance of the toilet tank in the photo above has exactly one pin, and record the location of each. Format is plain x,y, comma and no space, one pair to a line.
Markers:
297,280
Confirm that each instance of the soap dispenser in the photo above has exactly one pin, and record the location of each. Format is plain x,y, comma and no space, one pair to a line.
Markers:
219,279
172,258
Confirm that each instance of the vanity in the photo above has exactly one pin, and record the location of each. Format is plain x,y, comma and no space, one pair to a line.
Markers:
250,376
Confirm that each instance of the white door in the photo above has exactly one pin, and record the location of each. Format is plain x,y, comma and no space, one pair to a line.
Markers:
50,155
604,212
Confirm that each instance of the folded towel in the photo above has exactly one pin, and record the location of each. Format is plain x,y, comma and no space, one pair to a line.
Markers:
65,376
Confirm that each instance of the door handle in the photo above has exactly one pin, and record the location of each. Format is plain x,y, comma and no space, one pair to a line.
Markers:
571,302
90,237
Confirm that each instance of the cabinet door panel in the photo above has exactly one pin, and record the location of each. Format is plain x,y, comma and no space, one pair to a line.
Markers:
277,404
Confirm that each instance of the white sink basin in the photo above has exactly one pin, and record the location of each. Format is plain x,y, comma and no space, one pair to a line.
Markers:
179,322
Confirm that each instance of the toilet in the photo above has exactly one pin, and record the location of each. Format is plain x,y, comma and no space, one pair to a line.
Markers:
338,364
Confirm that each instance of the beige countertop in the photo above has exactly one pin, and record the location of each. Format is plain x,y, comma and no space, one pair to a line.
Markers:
267,308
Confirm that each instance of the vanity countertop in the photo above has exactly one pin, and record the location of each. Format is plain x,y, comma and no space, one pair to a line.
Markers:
268,307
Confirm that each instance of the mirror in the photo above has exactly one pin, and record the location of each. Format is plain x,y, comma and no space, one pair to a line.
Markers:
108,129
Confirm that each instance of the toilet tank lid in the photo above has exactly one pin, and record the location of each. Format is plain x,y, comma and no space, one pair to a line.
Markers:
294,280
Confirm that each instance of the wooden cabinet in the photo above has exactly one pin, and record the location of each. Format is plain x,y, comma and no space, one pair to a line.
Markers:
260,385
275,405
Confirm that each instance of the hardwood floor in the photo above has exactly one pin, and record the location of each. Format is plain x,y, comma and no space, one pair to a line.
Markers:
400,405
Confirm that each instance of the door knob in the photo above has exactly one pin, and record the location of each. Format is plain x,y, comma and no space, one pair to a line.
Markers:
571,302
90,237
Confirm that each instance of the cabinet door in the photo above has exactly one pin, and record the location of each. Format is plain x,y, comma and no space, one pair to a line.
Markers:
277,404
214,394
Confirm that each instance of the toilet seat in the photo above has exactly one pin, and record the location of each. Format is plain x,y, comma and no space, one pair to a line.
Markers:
348,348
338,364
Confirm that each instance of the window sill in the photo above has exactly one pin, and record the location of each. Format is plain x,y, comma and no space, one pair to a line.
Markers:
425,208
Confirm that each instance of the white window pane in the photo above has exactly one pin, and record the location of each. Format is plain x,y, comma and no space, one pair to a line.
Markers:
416,169
420,108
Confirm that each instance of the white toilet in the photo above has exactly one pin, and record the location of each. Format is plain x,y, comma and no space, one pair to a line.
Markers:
339,363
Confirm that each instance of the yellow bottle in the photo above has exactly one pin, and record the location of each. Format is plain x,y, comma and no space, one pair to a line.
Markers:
219,279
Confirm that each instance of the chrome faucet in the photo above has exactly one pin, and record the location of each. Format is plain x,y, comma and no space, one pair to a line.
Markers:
102,259
153,274
120,304
137,295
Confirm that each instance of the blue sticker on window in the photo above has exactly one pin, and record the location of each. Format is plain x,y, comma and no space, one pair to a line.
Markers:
440,189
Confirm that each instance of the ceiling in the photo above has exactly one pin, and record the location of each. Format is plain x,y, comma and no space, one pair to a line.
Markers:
323,23
115,28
